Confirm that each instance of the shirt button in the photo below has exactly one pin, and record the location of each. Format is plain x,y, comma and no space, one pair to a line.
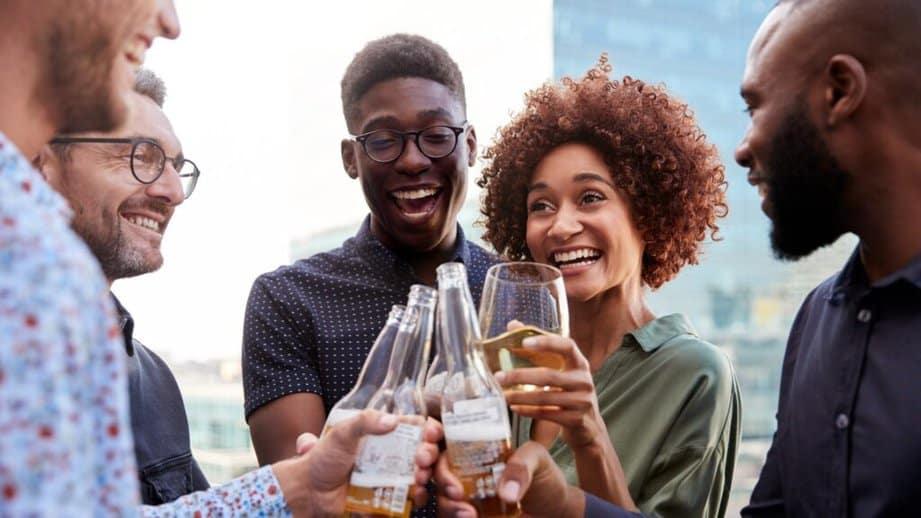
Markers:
864,315
842,422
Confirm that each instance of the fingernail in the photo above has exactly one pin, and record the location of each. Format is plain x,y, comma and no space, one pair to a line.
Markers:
500,377
465,514
509,491
388,420
529,342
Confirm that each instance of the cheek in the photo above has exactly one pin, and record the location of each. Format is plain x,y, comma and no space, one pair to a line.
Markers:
534,236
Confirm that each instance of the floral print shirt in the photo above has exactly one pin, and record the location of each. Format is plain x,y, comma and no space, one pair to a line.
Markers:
65,434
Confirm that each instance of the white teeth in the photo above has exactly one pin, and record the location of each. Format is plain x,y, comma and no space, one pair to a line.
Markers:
572,255
576,265
145,222
414,195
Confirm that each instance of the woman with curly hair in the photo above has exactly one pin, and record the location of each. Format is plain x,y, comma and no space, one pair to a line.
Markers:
614,183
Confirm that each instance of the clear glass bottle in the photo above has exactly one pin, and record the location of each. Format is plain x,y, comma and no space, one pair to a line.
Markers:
372,373
385,465
435,379
473,409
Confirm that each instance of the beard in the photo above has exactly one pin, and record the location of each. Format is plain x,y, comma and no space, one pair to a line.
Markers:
118,256
78,54
806,189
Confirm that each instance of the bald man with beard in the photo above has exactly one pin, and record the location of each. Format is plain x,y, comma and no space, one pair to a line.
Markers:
834,146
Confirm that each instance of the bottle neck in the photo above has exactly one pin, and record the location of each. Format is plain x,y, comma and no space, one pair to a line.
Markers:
412,344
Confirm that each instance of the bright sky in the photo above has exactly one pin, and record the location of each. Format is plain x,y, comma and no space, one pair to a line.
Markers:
253,94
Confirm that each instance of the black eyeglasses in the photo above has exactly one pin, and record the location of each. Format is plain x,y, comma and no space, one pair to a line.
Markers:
147,160
387,145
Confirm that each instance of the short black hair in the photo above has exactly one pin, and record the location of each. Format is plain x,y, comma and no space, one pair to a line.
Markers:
393,57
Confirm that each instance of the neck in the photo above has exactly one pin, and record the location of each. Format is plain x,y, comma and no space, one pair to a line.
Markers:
423,262
23,119
599,325
887,207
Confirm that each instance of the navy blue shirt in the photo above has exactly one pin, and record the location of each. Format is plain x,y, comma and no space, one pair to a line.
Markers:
310,325
848,440
166,468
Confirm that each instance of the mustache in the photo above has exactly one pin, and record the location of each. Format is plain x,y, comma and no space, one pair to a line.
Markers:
156,206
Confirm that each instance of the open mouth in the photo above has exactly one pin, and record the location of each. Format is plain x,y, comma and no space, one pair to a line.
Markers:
416,202
576,258
144,222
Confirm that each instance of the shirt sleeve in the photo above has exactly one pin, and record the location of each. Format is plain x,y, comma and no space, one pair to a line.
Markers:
598,508
255,494
691,476
278,349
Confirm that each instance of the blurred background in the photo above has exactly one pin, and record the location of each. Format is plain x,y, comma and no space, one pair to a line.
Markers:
253,94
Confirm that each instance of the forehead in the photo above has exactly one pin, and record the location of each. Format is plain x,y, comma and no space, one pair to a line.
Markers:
568,160
775,50
408,102
146,119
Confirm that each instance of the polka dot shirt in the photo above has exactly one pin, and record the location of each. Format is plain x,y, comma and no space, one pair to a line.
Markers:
310,325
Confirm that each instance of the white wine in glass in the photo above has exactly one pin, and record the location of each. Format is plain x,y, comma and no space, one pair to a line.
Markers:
522,299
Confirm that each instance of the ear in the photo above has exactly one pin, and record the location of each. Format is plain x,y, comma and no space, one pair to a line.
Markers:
845,89
349,163
470,141
48,164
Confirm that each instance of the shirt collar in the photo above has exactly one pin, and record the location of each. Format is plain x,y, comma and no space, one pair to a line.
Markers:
17,170
661,330
853,276
366,240
126,323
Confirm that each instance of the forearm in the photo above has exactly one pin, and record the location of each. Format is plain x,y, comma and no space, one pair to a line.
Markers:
601,474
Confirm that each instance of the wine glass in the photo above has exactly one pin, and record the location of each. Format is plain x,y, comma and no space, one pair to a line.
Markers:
521,299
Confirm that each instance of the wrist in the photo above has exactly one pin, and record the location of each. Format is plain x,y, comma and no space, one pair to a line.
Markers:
292,476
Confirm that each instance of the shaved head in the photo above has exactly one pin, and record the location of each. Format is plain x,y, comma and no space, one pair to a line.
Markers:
882,34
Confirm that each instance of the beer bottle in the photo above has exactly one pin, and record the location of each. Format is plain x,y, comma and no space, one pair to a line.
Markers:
372,372
473,410
385,465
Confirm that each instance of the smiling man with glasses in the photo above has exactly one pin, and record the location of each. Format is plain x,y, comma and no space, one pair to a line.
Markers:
309,325
123,191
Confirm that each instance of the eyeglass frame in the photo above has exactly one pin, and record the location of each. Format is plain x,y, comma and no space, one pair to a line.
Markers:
363,139
135,142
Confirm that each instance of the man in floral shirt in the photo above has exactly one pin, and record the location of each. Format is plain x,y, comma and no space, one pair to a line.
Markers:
65,439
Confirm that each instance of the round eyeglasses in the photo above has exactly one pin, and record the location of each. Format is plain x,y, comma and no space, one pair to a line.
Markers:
147,160
387,145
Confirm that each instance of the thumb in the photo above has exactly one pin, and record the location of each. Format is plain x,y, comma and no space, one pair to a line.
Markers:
347,435
519,471
305,442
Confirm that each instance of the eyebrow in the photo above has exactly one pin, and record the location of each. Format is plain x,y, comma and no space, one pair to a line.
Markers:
581,177
389,120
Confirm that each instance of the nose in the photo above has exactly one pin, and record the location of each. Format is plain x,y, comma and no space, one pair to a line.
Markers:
565,224
167,188
743,154
412,161
167,20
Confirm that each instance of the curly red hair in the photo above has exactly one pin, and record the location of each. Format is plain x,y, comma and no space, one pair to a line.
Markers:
658,156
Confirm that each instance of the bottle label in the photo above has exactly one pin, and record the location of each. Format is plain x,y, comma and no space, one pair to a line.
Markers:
388,460
484,419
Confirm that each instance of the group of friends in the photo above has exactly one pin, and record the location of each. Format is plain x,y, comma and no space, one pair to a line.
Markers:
610,180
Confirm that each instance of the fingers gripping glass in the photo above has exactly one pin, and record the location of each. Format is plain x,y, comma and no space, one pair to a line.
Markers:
387,145
147,160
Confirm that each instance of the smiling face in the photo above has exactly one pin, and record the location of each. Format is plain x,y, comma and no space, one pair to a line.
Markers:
121,219
90,50
414,200
579,222
788,158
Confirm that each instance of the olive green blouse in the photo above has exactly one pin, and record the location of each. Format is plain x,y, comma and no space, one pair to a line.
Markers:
672,407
